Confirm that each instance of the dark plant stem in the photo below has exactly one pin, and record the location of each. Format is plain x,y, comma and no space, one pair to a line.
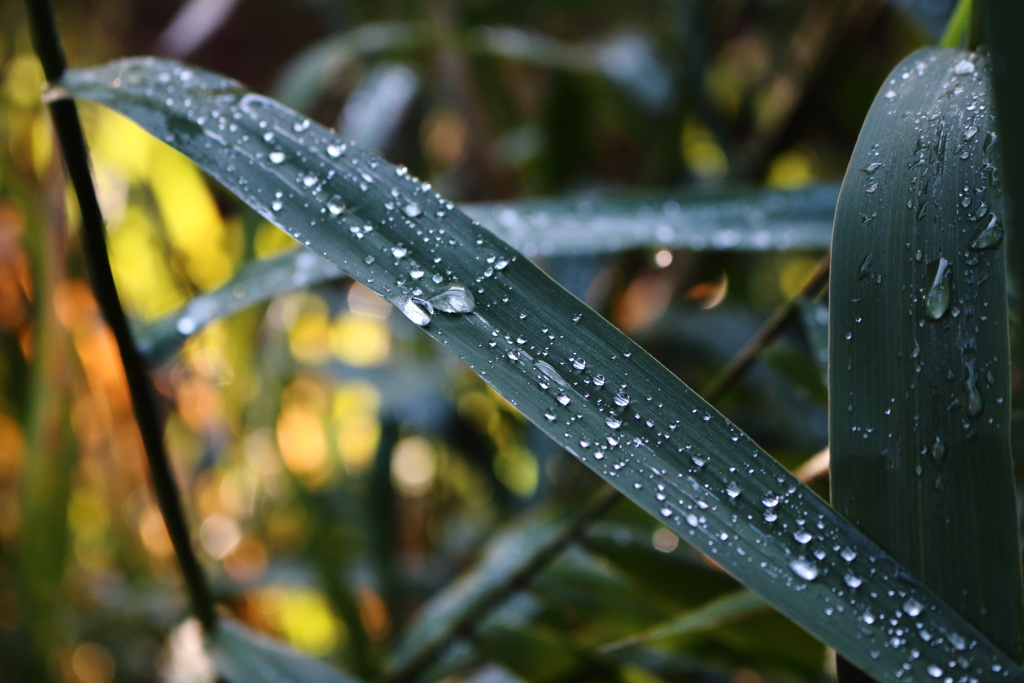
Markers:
76,158
782,315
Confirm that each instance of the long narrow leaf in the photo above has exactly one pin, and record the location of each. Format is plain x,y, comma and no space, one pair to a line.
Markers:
571,373
723,610
919,368
738,219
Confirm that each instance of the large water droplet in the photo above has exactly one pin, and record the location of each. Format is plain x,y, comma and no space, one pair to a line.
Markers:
865,267
621,399
964,67
937,299
990,236
454,299
335,205
414,310
412,210
804,569
276,157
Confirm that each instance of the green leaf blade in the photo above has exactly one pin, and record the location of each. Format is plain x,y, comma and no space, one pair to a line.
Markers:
660,444
919,351
244,656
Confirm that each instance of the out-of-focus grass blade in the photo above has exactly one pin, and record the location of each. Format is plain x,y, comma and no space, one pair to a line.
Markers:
723,610
255,282
740,219
919,368
244,656
721,220
375,109
581,381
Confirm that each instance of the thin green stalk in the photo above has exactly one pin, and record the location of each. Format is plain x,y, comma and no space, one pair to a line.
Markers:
960,27
76,157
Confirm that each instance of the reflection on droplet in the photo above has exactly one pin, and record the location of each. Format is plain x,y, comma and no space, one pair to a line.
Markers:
937,299
990,236
413,310
454,299
804,569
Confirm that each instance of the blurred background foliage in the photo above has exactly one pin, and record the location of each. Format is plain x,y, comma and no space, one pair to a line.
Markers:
339,469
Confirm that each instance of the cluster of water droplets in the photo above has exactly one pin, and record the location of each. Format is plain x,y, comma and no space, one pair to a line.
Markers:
949,299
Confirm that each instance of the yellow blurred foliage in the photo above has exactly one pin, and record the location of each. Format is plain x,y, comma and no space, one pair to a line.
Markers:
140,267
700,151
24,80
271,240
191,218
359,340
356,424
123,144
790,170
301,440
302,616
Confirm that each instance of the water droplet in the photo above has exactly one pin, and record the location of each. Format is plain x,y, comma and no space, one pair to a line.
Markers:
868,618
970,133
310,180
454,299
513,354
852,580
621,399
412,310
579,363
399,251
412,210
549,415
563,398
501,263
990,236
335,205
416,273
937,299
938,450
865,267
733,489
802,536
770,501
890,95
872,167
335,151
990,141
276,157
186,326
848,554
276,205
912,607
599,381
300,126
804,569
934,670
964,67
613,421
666,512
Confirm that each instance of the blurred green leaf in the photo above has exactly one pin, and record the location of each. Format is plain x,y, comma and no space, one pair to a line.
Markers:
244,656
715,613
576,377
919,370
